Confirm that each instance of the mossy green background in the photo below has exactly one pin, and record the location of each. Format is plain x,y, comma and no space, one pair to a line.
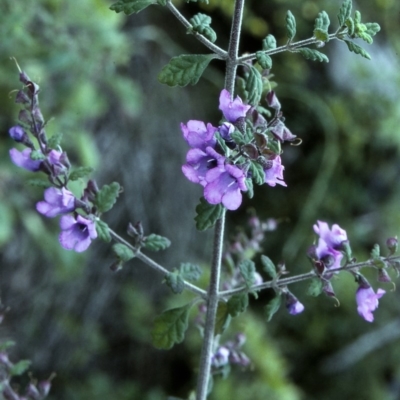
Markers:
97,72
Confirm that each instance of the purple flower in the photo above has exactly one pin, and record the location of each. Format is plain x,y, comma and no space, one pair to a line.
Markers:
232,110
23,159
226,130
198,135
77,234
199,162
295,308
274,172
224,185
56,201
367,301
17,133
221,357
273,101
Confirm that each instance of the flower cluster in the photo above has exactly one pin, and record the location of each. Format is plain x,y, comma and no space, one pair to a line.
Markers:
77,231
328,255
245,147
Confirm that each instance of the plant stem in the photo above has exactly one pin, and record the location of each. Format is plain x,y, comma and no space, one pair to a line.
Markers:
213,290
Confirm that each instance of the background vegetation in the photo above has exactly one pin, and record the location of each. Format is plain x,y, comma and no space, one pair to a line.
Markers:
97,72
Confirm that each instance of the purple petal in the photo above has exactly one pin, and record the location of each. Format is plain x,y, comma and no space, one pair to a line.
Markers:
23,159
232,110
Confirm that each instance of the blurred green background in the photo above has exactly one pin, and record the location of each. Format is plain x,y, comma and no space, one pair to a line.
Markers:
97,71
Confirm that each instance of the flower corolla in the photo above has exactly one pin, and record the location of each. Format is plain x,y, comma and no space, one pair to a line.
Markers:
367,301
76,233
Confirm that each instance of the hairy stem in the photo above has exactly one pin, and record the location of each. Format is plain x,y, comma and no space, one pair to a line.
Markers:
213,290
151,263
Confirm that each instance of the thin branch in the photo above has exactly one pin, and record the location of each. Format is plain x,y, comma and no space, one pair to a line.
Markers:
222,54
157,267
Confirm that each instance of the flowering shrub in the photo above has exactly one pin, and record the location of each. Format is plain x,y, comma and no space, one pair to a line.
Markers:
245,148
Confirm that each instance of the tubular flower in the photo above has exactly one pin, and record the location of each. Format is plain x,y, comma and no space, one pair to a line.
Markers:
367,301
76,234
56,201
198,135
232,110
274,172
23,159
225,184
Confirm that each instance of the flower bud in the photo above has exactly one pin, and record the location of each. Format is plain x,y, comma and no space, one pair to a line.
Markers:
383,276
392,244
17,133
22,98
292,304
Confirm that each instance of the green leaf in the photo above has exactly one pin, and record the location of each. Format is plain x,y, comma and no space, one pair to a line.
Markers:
290,26
321,35
357,17
130,6
107,196
237,304
80,172
124,253
238,137
207,214
269,43
155,242
190,272
6,345
272,307
257,172
355,48
223,319
170,327
175,281
254,86
268,266
55,141
372,28
264,60
315,287
162,2
313,55
364,36
201,24
250,187
344,12
222,143
185,69
37,155
247,270
322,21
103,231
20,367
350,26
39,183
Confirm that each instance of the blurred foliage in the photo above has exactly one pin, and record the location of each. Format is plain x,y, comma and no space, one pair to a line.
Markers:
97,71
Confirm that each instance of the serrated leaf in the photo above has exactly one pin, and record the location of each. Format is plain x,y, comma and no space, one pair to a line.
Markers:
357,17
290,25
207,214
170,327
350,26
344,12
6,345
313,55
185,69
190,272
155,242
237,304
129,7
55,141
364,36
268,266
321,35
39,183
19,368
247,270
315,287
269,43
238,137
37,155
372,28
80,172
250,187
107,196
223,319
257,172
124,253
201,24
355,48
254,86
264,60
272,307
175,281
322,21
103,231
162,2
